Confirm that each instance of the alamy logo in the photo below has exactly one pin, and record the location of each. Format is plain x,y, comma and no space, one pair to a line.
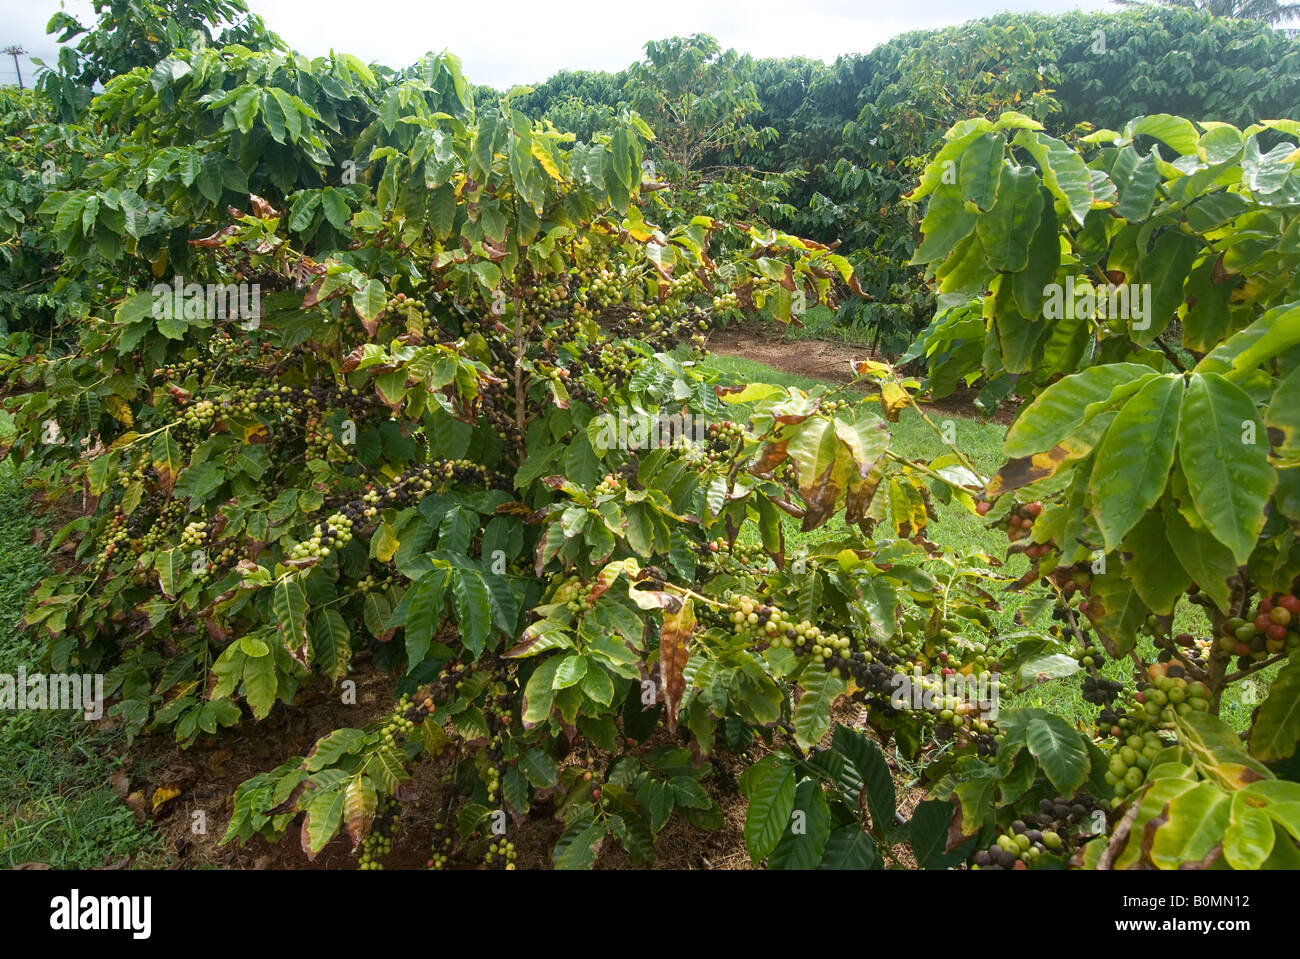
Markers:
58,691
1084,301
212,301
954,693
645,431
74,912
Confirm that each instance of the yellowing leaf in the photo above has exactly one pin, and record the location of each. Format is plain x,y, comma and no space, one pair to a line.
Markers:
118,409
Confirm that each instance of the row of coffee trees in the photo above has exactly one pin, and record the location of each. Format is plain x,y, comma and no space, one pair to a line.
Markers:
343,371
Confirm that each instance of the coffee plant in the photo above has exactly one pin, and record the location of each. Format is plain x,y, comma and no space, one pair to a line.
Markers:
366,369
347,372
1138,288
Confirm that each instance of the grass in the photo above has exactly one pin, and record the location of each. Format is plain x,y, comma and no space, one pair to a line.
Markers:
819,323
56,804
960,531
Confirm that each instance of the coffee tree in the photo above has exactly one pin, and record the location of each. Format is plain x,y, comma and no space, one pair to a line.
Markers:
365,368
1139,290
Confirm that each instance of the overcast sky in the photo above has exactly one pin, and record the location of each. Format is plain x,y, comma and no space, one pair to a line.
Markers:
506,42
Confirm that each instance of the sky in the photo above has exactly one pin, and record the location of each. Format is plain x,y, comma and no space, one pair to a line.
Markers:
506,42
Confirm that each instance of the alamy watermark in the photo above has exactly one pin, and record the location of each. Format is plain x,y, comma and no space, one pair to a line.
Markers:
212,301
960,694
56,691
645,431
1125,301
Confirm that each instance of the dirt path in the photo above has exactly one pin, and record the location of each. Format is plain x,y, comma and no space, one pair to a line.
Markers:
832,361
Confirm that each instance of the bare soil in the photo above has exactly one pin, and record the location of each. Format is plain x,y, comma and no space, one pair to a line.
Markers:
205,778
832,361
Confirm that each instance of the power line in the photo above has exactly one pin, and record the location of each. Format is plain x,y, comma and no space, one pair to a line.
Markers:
16,52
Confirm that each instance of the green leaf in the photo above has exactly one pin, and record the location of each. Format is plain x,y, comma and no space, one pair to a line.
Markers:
324,816
1223,451
947,222
1134,458
1060,750
1248,840
333,747
424,614
1117,611
1061,408
370,299
575,849
1159,582
1136,179
769,786
1283,419
1276,728
927,831
289,603
1197,821
1177,133
1006,230
848,847
1274,332
1165,271
809,827
260,684
1210,564
336,208
539,693
472,603
1064,171
1044,258
980,170
331,643
539,768
812,717
871,771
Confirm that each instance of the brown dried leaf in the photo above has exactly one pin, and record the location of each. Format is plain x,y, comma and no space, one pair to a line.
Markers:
674,651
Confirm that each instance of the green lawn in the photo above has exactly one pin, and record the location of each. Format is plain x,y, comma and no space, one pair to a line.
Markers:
959,530
56,804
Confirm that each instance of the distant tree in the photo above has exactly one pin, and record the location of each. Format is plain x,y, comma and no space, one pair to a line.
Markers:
699,99
1265,11
140,33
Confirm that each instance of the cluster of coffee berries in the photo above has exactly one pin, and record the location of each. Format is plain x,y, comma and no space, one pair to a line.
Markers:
1089,656
200,416
442,847
399,307
1169,692
496,403
611,483
1101,691
500,854
1018,521
725,434
379,841
114,536
752,618
1130,760
1019,848
402,722
335,532
752,554
726,301
1274,629
369,584
194,535
607,287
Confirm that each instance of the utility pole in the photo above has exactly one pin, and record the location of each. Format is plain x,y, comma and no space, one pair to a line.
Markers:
16,52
